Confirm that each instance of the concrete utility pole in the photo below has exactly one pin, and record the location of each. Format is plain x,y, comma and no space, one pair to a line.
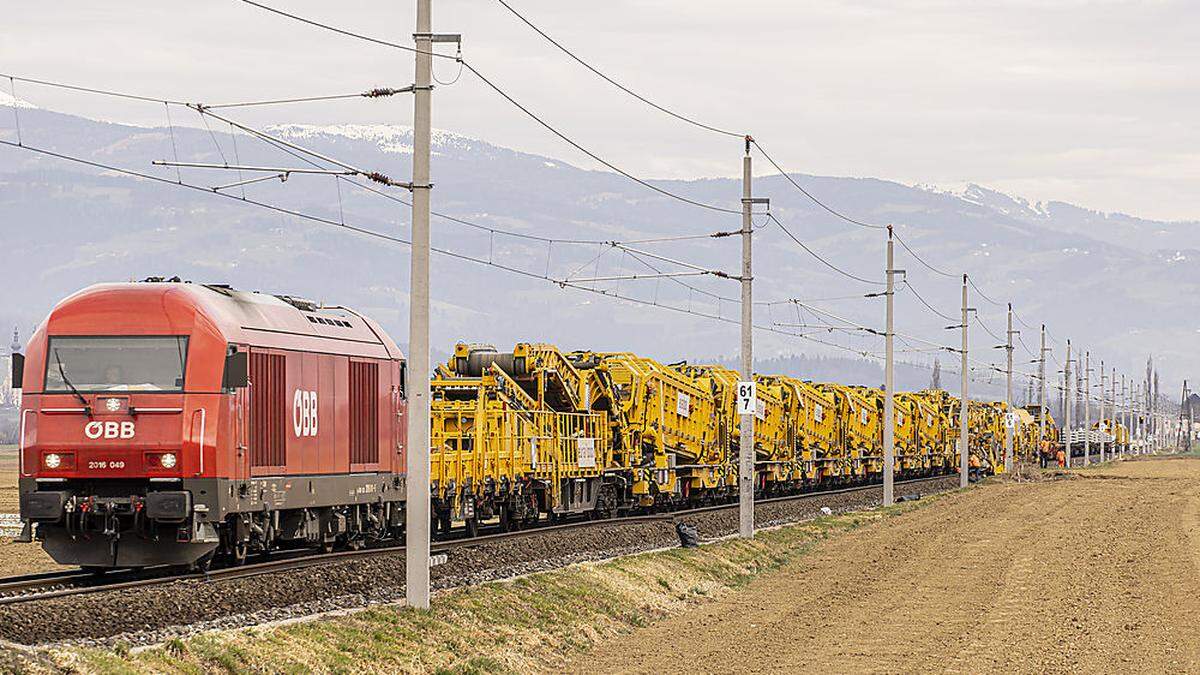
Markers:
746,436
1042,390
1087,407
1191,422
417,521
1139,407
1179,441
1008,407
1100,417
964,448
1120,413
889,386
1126,416
1067,406
1113,449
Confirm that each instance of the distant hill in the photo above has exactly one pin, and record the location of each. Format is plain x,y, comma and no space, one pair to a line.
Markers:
1123,285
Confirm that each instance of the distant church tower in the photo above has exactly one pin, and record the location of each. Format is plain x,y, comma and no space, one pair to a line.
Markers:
8,396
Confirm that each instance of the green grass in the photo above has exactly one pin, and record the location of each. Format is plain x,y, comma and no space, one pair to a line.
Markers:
533,623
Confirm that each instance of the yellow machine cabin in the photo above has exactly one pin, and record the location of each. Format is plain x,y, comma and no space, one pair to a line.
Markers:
810,431
859,427
662,423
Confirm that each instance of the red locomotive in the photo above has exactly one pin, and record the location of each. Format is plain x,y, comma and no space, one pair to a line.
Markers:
172,423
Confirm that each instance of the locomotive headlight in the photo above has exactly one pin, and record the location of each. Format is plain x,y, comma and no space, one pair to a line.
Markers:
52,460
167,460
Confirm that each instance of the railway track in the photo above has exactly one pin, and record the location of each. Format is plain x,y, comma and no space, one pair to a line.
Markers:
79,582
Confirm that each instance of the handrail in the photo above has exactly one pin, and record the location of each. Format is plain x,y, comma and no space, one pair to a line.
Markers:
200,444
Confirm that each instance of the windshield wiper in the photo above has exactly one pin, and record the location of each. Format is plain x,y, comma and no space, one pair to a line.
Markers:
63,374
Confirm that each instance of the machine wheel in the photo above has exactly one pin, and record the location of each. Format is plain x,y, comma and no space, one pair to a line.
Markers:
239,552
472,527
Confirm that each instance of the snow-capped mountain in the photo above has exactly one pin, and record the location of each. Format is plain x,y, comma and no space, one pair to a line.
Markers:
1119,285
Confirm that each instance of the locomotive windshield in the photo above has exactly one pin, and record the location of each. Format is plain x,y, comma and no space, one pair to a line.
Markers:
92,364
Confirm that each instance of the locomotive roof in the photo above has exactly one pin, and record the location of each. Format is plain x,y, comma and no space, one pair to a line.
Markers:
248,317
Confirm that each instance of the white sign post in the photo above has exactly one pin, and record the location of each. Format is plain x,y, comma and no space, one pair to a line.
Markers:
746,399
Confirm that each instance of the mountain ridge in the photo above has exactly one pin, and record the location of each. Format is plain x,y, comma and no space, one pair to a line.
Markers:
110,226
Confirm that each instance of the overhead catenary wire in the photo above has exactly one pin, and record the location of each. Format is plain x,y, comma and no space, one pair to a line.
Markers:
921,260
91,90
928,306
295,150
515,103
342,31
618,85
984,295
575,144
823,261
812,197
380,92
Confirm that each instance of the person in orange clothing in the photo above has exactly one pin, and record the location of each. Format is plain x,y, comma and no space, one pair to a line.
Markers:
1062,459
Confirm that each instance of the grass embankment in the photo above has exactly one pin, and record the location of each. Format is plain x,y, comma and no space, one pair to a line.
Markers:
531,623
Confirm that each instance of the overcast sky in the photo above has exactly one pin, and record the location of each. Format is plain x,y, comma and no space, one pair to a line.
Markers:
1090,102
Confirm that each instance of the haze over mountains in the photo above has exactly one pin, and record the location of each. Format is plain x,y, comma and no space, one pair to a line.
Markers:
1119,285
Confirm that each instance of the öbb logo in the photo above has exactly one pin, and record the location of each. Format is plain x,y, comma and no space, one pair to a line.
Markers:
304,413
97,430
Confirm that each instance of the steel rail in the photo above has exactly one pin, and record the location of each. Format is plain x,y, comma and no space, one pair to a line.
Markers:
284,564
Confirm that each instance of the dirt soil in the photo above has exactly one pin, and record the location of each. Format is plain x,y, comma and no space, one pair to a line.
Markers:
1093,574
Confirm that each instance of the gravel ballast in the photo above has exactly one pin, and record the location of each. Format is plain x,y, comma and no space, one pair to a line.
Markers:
158,613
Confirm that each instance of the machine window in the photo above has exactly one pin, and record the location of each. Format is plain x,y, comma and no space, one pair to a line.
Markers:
102,363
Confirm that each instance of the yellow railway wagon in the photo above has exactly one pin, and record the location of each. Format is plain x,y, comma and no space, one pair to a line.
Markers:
987,436
769,429
543,372
810,428
663,425
494,452
982,423
904,428
938,429
1051,437
859,428
1025,435
950,409
922,432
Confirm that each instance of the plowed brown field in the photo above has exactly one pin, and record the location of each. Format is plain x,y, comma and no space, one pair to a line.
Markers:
1091,574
